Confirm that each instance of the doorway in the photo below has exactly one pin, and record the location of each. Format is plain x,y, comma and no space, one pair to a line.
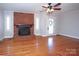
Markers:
50,26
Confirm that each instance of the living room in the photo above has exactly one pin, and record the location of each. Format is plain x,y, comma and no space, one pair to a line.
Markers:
26,29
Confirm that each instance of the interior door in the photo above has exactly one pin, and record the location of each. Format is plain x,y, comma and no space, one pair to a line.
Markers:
50,26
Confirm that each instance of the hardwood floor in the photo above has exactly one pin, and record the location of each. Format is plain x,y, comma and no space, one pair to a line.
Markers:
40,46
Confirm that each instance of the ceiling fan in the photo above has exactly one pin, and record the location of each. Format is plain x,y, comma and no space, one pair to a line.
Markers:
51,8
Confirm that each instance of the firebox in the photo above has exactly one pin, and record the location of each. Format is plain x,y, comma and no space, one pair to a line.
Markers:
24,30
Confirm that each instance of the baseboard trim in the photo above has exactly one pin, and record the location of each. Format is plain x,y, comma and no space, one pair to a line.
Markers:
8,36
69,36
44,35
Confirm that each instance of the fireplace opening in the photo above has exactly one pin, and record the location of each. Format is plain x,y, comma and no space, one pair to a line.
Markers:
24,29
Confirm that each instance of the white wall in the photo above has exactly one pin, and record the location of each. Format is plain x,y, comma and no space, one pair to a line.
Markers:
1,26
43,23
69,24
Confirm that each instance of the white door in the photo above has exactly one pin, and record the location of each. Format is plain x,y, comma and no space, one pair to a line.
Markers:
50,26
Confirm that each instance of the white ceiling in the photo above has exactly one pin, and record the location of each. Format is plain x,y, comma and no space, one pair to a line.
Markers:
33,7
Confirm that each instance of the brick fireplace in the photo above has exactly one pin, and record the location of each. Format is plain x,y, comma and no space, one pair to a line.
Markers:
23,24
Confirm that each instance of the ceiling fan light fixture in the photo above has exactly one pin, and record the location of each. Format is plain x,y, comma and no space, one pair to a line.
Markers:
50,10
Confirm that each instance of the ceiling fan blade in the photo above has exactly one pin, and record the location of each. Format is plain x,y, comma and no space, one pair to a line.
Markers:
44,7
57,8
57,4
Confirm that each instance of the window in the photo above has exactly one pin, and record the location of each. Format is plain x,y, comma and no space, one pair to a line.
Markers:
37,23
7,22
